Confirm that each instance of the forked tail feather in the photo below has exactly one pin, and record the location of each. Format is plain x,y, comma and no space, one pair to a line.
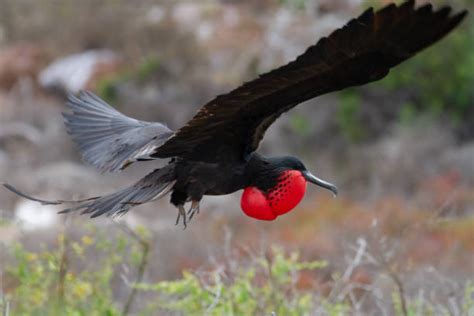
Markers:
153,186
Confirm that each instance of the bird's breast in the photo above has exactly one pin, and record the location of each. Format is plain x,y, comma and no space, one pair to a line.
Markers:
280,199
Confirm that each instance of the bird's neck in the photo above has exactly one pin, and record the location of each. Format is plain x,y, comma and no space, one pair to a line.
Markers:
261,173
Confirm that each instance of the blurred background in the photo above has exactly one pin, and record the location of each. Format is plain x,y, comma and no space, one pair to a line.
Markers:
399,239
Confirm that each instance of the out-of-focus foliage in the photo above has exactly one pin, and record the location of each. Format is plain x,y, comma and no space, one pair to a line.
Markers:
294,4
147,68
438,82
347,116
268,285
300,124
107,87
84,274
62,280
427,76
418,307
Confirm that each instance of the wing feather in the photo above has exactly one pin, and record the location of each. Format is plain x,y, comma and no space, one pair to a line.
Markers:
108,139
364,50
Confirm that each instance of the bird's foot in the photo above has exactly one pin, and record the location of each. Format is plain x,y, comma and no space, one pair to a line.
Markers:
194,209
181,213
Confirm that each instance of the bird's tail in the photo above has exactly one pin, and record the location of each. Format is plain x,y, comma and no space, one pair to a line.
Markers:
153,186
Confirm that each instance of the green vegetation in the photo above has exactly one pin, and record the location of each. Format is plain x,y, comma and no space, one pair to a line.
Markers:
76,277
268,285
46,287
347,116
107,87
147,68
64,280
300,124
424,79
46,284
426,75
420,307
294,4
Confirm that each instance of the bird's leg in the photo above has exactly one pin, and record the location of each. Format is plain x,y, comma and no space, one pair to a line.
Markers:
194,209
181,212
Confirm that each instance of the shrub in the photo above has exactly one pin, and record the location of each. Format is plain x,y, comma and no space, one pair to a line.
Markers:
75,277
266,285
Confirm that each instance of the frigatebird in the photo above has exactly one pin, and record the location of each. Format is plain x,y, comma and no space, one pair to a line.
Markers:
215,152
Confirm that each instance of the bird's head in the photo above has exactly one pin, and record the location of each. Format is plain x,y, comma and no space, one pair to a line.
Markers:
276,186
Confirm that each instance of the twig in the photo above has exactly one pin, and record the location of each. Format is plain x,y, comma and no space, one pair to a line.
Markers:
337,294
400,288
414,228
63,264
271,278
141,268
357,259
217,295
401,291
6,307
3,303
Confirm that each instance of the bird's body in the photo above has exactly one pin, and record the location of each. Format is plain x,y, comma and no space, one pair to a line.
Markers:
215,152
189,175
272,178
222,178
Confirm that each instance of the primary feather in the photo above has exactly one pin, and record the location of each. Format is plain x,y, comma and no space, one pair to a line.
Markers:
108,139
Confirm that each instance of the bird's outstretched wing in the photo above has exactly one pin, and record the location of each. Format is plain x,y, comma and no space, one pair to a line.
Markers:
232,125
108,139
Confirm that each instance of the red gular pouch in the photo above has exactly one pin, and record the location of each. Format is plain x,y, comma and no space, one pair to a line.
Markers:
255,204
281,199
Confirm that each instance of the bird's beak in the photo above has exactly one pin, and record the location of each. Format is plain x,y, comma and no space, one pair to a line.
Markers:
313,179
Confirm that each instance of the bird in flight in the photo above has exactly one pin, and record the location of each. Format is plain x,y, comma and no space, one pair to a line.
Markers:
215,152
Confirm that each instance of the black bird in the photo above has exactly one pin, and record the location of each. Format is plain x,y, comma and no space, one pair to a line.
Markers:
214,153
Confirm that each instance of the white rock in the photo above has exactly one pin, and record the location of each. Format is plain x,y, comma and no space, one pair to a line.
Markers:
32,215
72,73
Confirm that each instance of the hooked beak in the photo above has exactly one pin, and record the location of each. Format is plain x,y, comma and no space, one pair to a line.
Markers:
313,179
